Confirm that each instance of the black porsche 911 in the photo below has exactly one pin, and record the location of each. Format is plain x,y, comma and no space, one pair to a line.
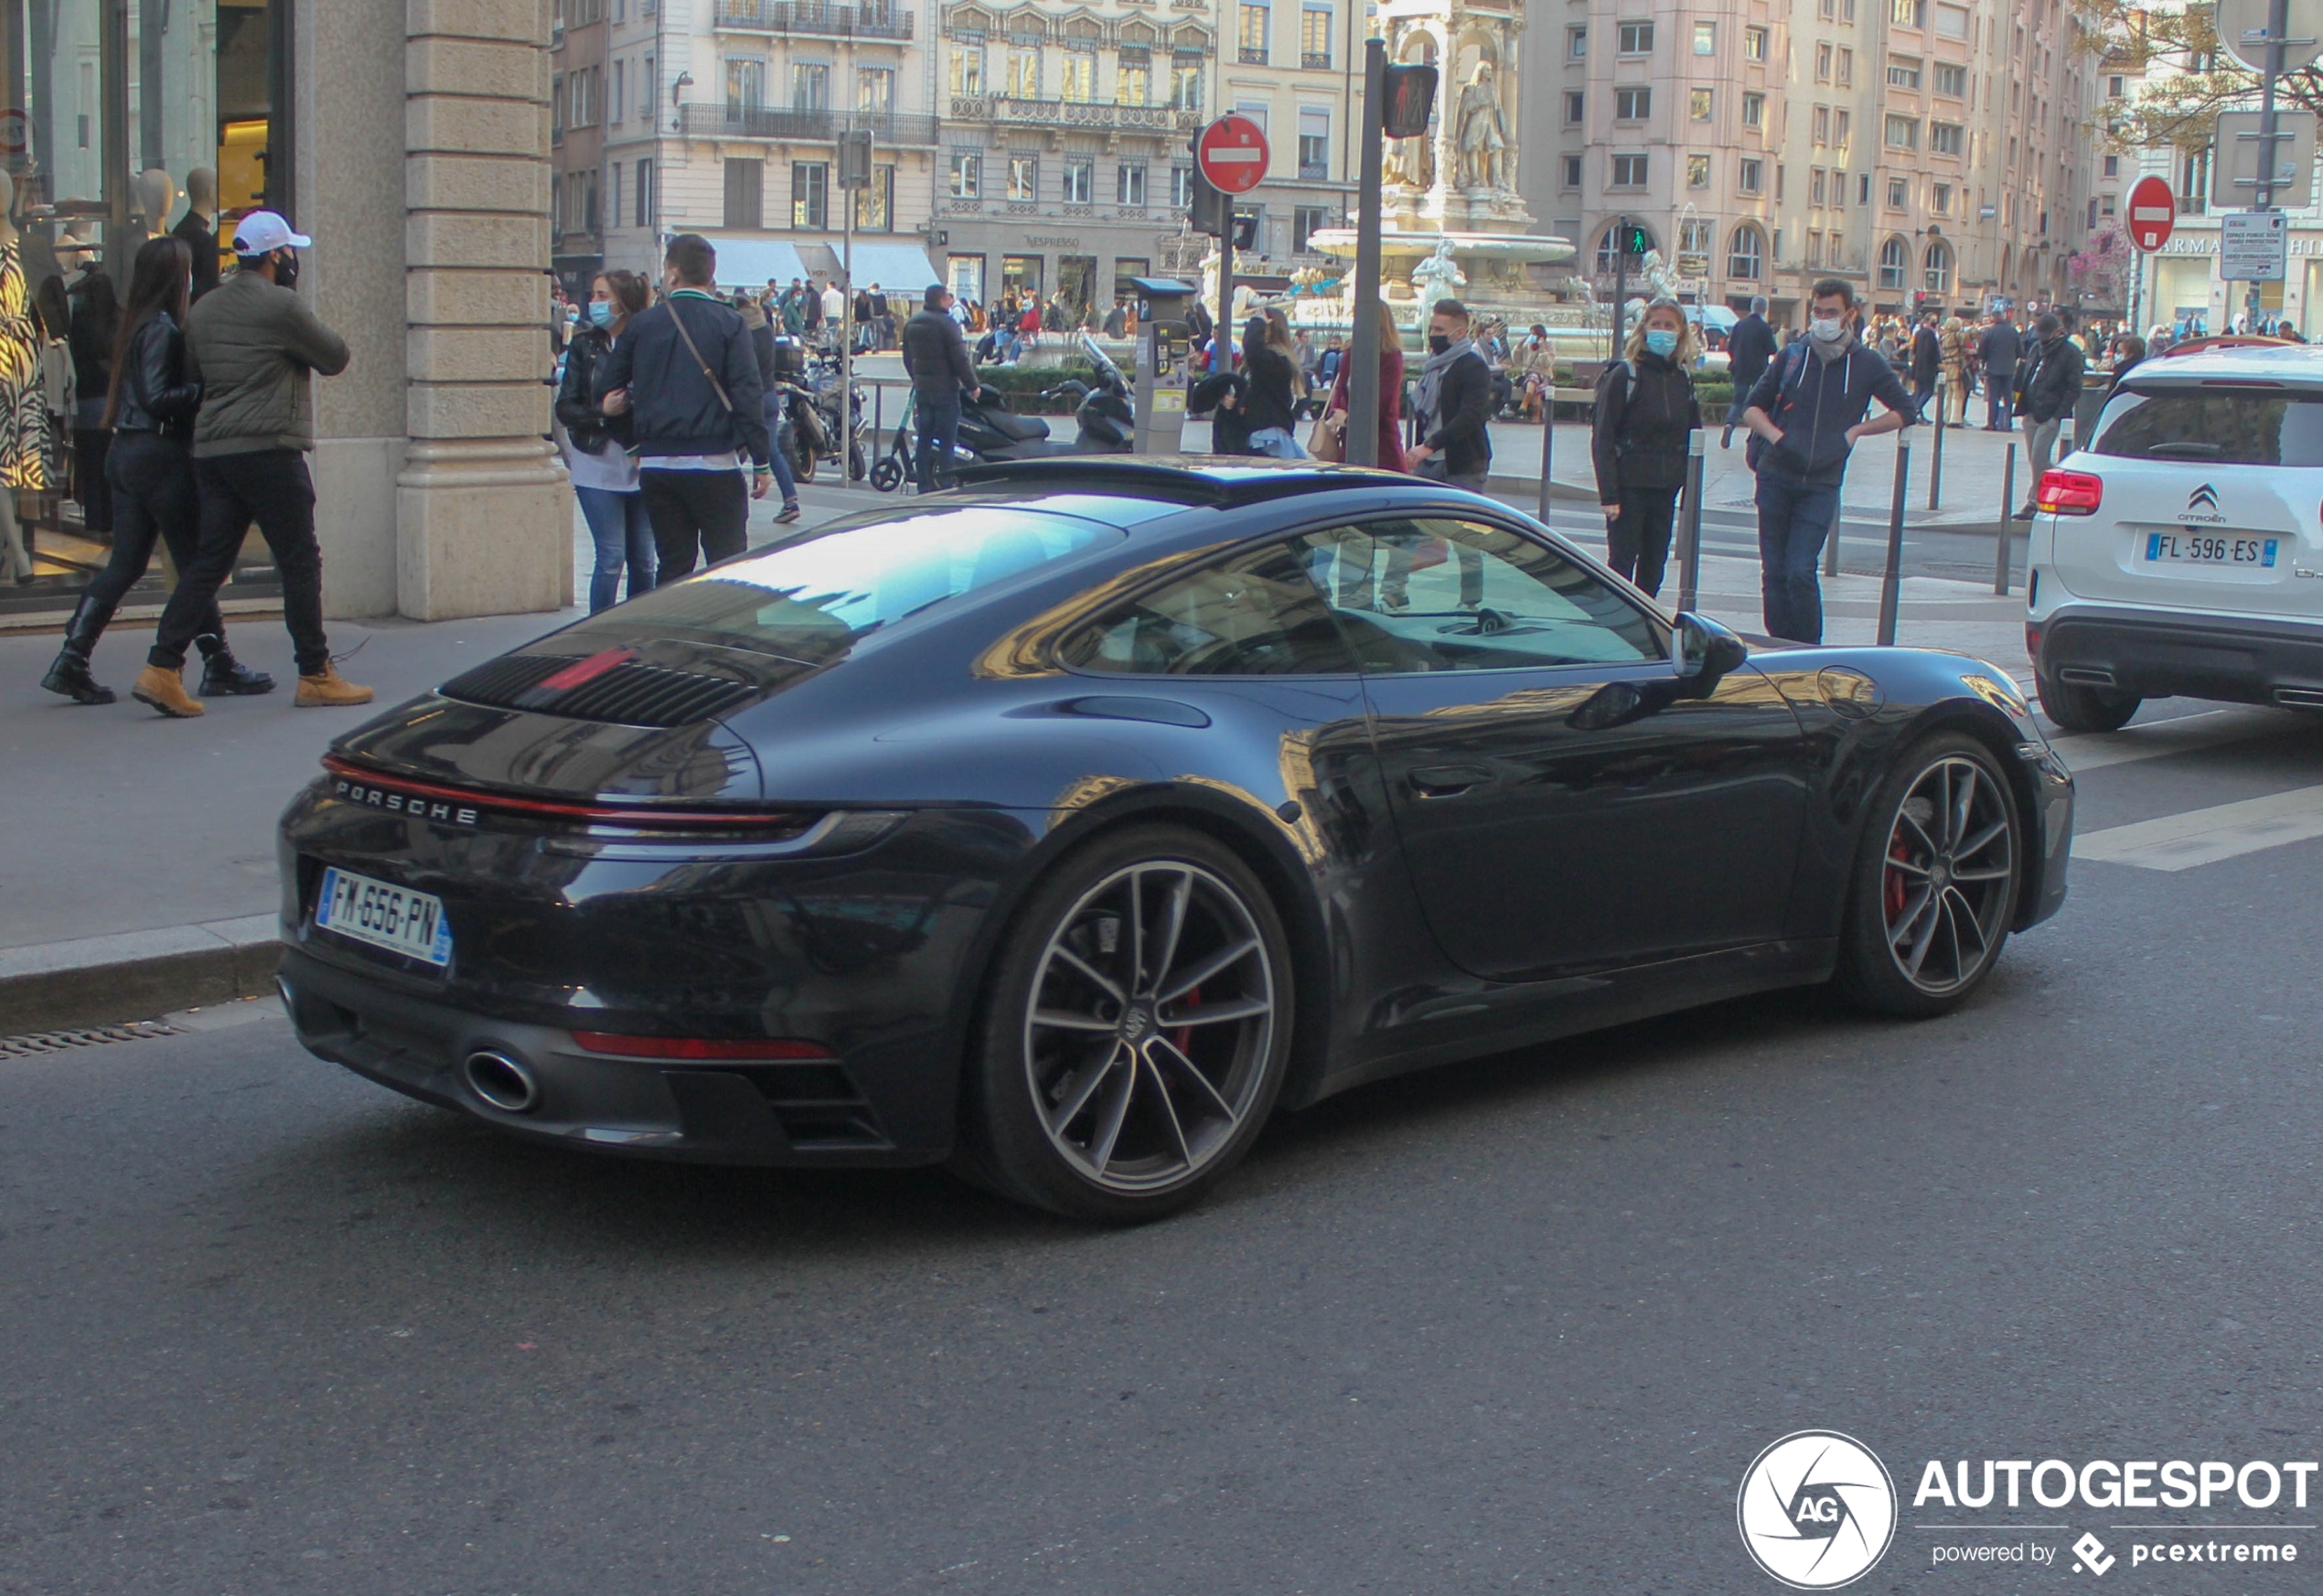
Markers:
1063,826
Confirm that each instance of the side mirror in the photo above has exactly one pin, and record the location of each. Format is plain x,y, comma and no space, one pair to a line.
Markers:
1704,652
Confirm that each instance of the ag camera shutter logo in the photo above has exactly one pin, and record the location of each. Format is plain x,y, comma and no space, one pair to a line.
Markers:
1817,1510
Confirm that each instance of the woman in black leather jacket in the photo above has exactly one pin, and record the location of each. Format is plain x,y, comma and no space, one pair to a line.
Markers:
149,407
605,475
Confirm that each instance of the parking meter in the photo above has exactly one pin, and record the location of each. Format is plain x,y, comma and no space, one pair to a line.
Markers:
1164,342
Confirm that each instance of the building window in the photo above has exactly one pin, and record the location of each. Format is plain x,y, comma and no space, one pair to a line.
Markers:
649,89
810,188
1750,174
1694,246
875,90
1894,261
1838,245
1753,109
1814,245
875,202
2113,165
1746,256
1898,194
1133,78
1572,171
1697,171
747,193
1634,38
809,86
1946,138
1079,84
1128,184
1903,133
1814,187
613,191
1754,44
1910,13
618,103
1251,40
968,175
1697,105
1863,190
968,70
1844,74
1576,43
1841,124
1024,74
1574,104
1306,220
1823,63
1314,145
1821,125
1952,21
1903,71
1940,199
1778,194
1632,104
1023,178
1181,186
745,85
1629,171
1706,38
1080,180
1314,38
1185,80
1952,80
646,196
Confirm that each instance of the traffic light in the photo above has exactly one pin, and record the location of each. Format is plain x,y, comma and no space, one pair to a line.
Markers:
1408,103
1635,240
1211,210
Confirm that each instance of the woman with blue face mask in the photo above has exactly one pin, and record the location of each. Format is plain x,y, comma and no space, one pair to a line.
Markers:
1645,408
605,475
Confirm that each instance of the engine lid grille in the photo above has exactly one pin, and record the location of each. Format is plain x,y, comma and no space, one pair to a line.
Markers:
612,685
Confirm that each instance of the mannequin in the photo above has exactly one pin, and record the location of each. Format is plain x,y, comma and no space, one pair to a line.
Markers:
23,420
200,227
157,197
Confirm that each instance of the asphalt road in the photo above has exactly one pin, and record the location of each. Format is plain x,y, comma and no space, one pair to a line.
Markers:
1519,1325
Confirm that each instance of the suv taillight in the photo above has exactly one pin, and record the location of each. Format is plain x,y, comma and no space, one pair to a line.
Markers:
2070,493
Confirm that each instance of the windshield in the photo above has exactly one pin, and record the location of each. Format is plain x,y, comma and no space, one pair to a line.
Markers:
1098,358
810,600
2213,427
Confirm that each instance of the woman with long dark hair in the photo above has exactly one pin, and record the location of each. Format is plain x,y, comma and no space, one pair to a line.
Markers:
149,405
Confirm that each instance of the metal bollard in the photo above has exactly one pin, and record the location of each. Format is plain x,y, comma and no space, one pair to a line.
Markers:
1935,457
1891,580
2007,510
1831,543
1548,440
1689,577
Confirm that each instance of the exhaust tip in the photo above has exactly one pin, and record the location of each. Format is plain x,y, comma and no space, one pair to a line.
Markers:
502,1081
2299,698
2086,676
290,998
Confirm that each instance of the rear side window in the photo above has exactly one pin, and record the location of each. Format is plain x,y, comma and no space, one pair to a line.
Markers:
1253,613
2213,427
811,599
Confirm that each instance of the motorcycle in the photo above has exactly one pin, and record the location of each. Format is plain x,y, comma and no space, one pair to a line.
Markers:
1104,415
826,408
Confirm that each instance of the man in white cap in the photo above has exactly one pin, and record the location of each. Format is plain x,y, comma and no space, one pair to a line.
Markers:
255,346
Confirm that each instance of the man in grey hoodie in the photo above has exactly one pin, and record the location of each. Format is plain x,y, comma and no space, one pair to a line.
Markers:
254,347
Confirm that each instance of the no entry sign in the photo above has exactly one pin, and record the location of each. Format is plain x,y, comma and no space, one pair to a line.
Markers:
2153,212
1232,153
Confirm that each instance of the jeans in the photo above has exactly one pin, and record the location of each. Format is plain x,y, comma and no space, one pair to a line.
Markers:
2041,443
698,517
940,433
1637,542
1794,517
272,488
152,478
90,445
1999,413
777,457
617,523
1277,442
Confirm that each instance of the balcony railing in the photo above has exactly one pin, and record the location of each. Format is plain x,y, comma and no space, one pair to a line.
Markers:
1315,60
1314,171
821,126
1096,113
1251,55
812,17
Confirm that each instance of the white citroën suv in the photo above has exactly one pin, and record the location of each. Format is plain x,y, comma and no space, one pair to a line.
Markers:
2180,551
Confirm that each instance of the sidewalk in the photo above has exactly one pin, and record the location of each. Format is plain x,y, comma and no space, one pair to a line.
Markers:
142,874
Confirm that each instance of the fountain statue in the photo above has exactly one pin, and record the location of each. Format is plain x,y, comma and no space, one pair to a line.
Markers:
1437,277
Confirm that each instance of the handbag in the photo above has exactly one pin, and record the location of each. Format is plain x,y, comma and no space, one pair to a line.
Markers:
1328,442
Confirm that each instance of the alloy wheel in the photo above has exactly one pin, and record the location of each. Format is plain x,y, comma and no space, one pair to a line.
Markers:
1949,865
1153,1014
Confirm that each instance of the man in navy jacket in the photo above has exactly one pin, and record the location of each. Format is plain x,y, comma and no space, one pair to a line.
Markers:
1806,416
694,389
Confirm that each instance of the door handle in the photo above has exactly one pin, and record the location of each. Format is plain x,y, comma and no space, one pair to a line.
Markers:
1447,780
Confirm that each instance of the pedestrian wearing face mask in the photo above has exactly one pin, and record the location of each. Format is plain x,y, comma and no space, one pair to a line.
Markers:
596,455
1454,402
1806,416
1645,408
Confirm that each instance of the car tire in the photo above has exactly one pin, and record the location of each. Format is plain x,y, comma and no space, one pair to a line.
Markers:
2076,708
1083,1096
1934,889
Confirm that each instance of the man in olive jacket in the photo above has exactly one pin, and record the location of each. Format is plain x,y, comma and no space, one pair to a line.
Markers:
254,347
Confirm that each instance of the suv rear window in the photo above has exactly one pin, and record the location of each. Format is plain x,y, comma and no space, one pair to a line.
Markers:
2213,427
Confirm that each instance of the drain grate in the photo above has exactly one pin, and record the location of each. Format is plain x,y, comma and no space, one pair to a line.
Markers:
38,1042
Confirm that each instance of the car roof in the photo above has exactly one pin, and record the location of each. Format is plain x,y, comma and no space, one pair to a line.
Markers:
2300,364
1191,479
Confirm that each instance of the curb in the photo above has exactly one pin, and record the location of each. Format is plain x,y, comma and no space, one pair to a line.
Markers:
134,974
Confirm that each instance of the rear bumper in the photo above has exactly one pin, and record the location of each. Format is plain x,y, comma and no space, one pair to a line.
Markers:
2166,654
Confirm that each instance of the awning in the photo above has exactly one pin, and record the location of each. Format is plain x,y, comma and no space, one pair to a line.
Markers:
750,262
896,268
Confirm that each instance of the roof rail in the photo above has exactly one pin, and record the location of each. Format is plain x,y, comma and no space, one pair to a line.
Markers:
1220,479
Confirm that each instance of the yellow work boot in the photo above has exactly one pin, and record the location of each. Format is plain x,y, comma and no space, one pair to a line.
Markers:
166,690
327,689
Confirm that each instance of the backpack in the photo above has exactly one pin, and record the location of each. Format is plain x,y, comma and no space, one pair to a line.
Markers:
1798,355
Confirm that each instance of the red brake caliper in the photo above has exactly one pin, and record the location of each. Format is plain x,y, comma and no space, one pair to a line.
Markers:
1892,891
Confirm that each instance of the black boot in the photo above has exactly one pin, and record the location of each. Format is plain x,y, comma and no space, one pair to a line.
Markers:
69,675
222,675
